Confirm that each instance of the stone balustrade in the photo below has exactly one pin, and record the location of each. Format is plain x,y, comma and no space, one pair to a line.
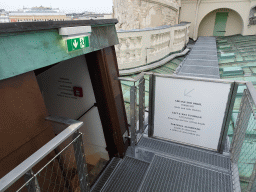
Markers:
143,46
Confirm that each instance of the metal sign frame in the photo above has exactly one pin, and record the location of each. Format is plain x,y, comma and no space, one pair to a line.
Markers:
228,109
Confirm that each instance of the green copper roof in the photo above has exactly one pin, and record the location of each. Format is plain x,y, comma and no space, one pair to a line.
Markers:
237,61
236,49
168,68
231,71
242,65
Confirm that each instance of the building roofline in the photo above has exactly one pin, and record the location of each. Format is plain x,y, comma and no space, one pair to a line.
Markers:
37,26
155,28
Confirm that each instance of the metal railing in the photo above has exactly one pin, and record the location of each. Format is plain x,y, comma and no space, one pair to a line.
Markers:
66,169
243,146
243,137
137,120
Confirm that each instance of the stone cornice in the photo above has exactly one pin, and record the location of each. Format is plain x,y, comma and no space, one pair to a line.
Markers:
155,28
165,3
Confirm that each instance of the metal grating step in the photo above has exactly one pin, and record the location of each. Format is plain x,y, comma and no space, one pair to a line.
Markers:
199,75
204,70
190,153
171,175
105,175
203,57
203,52
196,48
201,63
127,177
206,42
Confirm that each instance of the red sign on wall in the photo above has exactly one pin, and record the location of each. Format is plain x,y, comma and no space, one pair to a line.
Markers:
78,91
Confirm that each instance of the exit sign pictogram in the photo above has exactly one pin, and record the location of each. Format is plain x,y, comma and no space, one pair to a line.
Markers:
78,43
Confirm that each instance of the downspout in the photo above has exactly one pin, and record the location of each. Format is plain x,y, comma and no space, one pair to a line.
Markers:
195,23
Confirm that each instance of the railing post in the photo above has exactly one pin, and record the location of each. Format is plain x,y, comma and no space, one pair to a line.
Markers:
151,106
33,185
227,117
141,105
240,128
81,162
133,94
252,182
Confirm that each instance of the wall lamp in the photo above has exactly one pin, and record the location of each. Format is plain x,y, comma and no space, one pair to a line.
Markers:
73,32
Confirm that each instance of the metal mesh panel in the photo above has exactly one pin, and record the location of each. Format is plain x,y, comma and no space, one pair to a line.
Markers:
203,57
201,63
61,173
203,52
189,153
193,69
202,60
105,175
128,176
171,175
203,48
244,145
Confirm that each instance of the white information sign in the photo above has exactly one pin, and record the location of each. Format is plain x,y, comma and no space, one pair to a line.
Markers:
190,112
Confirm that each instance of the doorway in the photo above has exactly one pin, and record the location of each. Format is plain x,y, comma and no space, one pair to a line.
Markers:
220,24
68,92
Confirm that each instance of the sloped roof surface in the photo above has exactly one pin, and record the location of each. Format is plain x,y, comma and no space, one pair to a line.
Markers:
168,68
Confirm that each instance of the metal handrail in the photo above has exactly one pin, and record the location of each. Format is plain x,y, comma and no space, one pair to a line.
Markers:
249,85
135,79
139,76
36,157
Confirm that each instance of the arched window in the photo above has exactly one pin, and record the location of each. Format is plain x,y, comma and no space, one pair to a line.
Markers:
253,12
252,16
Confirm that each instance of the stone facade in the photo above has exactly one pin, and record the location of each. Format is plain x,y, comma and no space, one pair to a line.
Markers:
140,14
202,15
141,47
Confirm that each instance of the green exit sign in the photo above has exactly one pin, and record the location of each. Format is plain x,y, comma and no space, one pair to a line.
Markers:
78,43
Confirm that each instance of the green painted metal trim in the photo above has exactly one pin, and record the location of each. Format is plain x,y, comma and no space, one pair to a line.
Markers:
28,51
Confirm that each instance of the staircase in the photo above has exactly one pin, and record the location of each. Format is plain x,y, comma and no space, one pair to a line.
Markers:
159,165
156,165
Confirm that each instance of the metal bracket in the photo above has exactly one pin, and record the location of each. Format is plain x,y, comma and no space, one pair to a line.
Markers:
33,185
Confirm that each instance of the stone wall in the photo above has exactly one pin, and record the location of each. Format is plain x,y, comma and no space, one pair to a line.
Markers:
140,47
205,7
140,14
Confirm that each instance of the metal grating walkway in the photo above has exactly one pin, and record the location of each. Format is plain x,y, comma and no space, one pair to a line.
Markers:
165,174
127,176
202,61
171,175
192,154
